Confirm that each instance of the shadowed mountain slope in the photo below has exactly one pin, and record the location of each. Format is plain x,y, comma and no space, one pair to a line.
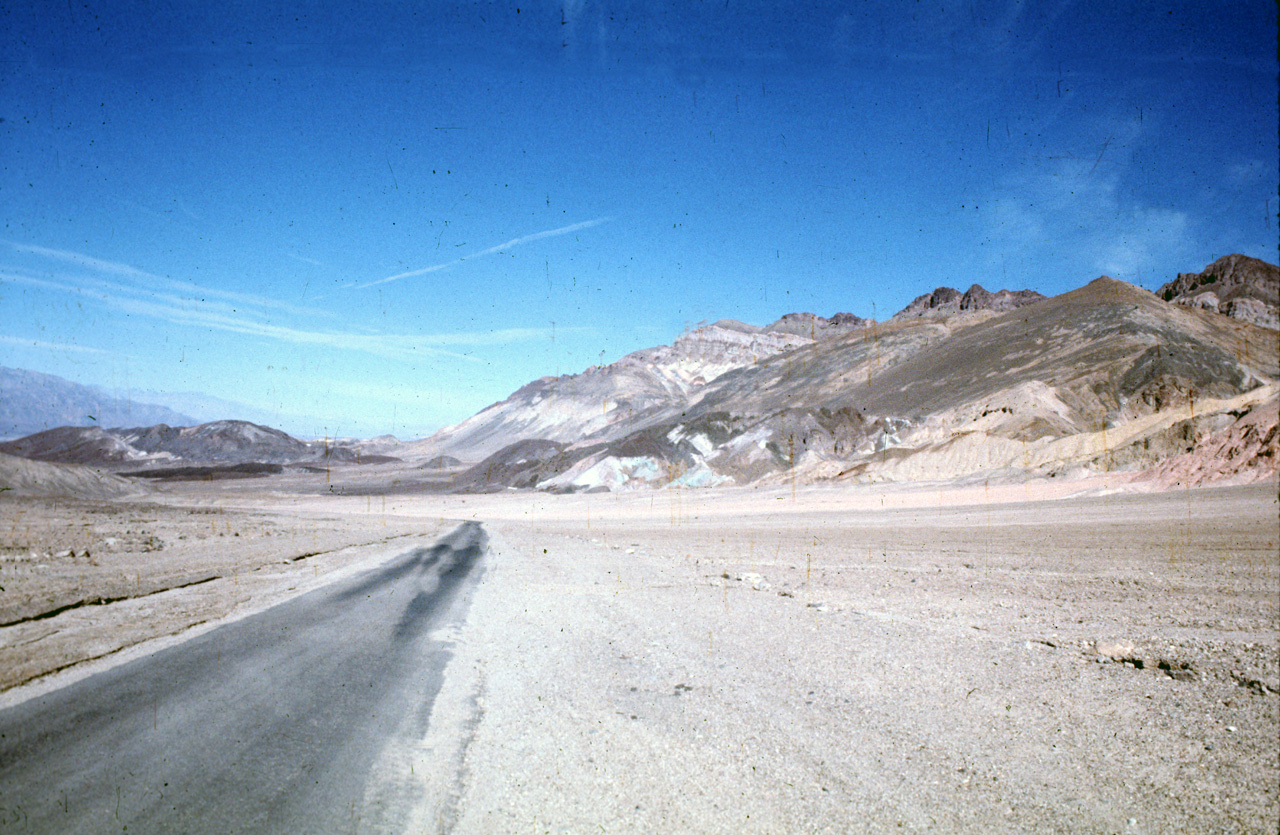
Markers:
1106,348
222,441
73,445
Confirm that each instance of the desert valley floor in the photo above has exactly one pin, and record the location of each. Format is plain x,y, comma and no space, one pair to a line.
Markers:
1072,657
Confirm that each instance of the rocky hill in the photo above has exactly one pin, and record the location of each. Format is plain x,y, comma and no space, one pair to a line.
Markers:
608,402
1236,285
1107,377
654,385
815,327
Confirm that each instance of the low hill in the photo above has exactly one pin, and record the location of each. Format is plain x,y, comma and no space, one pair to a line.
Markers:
21,477
223,442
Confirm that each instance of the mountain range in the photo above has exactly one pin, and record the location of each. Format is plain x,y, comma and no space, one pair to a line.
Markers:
1005,384
1179,385
33,402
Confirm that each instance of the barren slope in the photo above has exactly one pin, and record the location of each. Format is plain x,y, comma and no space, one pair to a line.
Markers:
609,402
20,477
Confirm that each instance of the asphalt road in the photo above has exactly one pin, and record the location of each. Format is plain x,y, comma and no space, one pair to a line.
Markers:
268,724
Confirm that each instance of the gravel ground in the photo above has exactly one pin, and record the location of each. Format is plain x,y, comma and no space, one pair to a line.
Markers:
926,668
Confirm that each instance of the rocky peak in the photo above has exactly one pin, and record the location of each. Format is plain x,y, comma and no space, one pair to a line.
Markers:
978,298
815,327
946,301
1234,285
849,320
941,300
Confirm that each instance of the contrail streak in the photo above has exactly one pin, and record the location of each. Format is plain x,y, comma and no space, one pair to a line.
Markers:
514,242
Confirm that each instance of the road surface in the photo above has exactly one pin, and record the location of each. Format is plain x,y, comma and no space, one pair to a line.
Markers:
268,724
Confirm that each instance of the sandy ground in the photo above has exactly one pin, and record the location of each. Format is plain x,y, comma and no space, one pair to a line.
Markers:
992,658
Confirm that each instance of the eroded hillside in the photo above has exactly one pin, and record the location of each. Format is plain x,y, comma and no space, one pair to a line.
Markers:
1105,377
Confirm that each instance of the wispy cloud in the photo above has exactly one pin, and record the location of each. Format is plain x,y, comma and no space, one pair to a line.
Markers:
507,336
514,242
397,394
179,311
22,342
82,260
191,313
127,271
1143,234
1246,172
127,289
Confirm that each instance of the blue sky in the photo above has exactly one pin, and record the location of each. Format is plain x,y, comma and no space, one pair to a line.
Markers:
386,218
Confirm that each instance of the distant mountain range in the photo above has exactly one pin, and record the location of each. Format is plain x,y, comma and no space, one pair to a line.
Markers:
207,408
33,402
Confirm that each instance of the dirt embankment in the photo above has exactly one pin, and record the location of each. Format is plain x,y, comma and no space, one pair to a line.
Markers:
1244,451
